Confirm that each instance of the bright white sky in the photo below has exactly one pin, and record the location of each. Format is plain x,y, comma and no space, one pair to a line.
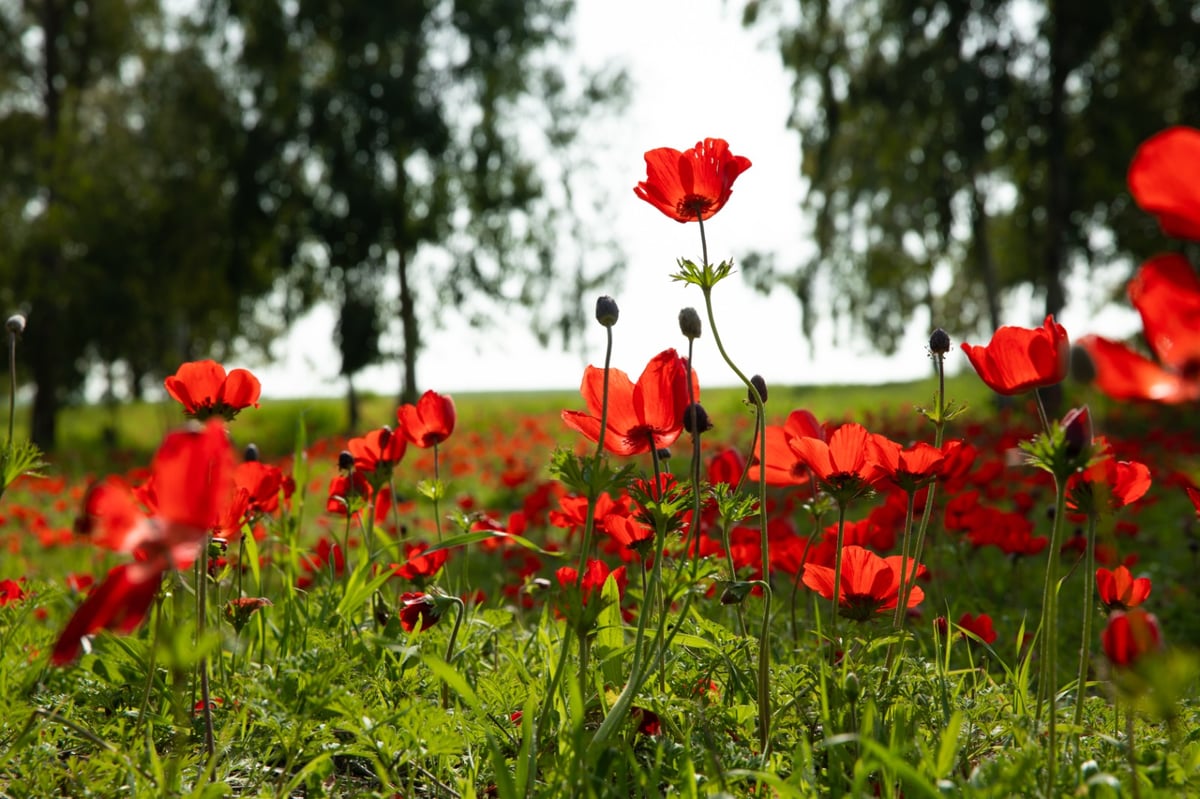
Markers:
696,73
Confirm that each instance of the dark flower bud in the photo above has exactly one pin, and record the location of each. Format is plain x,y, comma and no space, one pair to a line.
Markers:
939,342
689,323
760,386
15,324
735,591
1078,426
345,460
385,435
664,454
695,419
1081,366
607,311
852,687
251,453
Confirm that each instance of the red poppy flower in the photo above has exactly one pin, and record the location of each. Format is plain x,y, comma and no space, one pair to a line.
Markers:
870,584
910,468
1164,179
1129,636
594,576
980,625
430,421
692,184
347,492
629,533
262,484
204,390
1166,293
418,611
1120,590
1115,483
378,451
10,591
420,566
845,466
785,465
641,416
1018,359
192,478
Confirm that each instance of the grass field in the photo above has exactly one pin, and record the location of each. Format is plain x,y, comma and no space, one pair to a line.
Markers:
509,689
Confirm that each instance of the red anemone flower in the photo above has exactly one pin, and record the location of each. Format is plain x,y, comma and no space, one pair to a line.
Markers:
430,421
10,591
641,416
845,466
980,625
420,566
785,464
870,584
1018,359
418,611
1164,179
1166,293
1120,590
692,184
911,468
205,390
347,492
379,450
192,476
1130,636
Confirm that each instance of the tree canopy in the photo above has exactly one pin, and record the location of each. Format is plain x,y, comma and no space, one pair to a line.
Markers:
986,142
181,181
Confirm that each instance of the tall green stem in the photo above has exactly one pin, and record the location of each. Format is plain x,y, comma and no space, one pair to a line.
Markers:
1085,643
1048,685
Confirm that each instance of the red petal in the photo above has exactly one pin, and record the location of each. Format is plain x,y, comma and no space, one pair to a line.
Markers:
196,384
240,390
119,603
1164,179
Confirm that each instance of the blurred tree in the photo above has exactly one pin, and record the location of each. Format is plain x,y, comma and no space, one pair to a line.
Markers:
983,140
440,148
135,221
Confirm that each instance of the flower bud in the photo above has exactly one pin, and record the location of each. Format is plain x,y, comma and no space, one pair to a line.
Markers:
1081,366
695,419
664,454
15,324
251,453
689,323
385,435
345,461
760,386
607,311
852,687
939,342
1078,426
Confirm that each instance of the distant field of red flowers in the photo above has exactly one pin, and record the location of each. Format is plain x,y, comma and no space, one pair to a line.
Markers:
657,589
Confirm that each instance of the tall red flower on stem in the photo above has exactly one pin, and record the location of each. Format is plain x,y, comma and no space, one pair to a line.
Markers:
205,390
1164,179
192,477
692,184
1166,293
869,584
1120,590
1019,359
845,466
643,415
786,464
430,421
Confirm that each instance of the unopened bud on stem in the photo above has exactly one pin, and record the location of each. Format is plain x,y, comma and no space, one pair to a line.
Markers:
689,323
758,385
939,342
607,311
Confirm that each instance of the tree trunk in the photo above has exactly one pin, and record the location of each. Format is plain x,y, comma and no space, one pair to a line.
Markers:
408,327
981,253
352,414
46,316
1057,207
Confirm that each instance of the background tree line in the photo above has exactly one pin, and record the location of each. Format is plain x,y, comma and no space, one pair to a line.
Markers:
984,141
177,180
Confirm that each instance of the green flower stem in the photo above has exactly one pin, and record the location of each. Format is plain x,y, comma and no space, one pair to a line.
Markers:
12,386
764,651
437,481
201,624
1085,643
1048,685
902,605
837,574
461,609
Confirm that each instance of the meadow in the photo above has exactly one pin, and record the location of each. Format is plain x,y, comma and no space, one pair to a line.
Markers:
323,692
